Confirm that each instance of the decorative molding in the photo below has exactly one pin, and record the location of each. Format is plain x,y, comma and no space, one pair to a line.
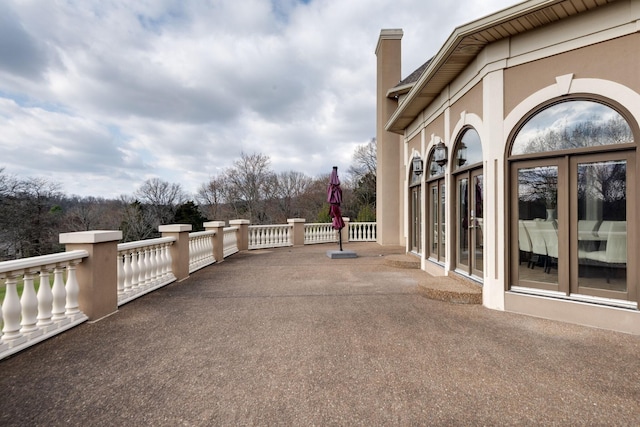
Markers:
564,84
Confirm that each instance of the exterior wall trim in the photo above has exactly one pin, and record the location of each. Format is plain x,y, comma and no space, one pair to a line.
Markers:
597,316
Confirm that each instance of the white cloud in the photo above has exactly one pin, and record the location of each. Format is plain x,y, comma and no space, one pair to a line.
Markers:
101,95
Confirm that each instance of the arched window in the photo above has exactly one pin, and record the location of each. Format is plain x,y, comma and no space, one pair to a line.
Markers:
573,187
436,209
468,150
469,196
570,125
415,202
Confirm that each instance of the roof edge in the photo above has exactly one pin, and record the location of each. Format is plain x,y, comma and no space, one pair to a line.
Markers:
458,34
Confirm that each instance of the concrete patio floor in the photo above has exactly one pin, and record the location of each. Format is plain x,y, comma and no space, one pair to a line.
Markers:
290,337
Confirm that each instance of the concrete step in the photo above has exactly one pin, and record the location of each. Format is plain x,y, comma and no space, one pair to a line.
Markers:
402,261
454,290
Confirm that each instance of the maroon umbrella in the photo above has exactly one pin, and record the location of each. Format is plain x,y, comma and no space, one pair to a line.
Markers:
334,197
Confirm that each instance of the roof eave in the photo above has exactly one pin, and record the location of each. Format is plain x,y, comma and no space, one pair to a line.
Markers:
415,100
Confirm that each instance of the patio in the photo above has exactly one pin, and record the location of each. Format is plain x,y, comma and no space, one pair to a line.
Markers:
288,336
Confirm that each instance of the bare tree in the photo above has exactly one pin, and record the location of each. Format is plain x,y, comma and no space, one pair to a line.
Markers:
251,182
92,213
363,171
30,216
364,161
291,186
211,197
161,198
138,222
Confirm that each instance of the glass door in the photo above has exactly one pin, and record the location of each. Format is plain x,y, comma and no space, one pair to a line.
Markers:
476,223
416,221
462,222
600,187
436,221
538,259
470,222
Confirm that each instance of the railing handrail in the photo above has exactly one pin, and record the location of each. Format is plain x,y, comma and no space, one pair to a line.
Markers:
253,227
39,261
142,243
202,233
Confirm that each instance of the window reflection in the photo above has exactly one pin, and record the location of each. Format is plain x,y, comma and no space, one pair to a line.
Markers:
434,168
572,124
537,225
602,225
468,150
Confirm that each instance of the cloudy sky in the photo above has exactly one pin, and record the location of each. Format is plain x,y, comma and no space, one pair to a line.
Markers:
100,95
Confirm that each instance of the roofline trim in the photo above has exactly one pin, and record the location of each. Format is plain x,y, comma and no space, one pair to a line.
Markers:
456,37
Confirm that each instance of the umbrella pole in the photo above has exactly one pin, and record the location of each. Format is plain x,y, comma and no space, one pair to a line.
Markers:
340,238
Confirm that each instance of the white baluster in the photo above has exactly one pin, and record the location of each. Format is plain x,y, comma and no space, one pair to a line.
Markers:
73,289
168,259
45,299
120,262
158,262
145,271
11,310
141,267
154,263
127,270
135,269
163,260
59,294
29,303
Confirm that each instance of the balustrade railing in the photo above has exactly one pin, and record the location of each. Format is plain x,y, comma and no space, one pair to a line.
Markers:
362,231
319,233
143,266
270,236
230,241
35,316
201,250
42,293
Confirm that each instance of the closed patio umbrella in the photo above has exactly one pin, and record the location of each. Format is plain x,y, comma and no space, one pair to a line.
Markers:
334,197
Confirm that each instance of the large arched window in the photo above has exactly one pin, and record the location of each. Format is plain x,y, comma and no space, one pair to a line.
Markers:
469,195
573,194
436,209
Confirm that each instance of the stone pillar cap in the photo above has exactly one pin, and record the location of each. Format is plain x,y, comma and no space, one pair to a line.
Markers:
214,224
239,222
174,228
93,236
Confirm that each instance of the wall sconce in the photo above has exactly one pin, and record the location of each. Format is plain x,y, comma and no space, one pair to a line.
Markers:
435,169
462,154
417,165
440,154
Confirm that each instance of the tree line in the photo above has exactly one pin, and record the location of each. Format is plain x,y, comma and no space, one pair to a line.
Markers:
34,211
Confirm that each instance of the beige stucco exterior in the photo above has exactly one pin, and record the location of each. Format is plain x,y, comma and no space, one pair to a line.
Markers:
389,147
592,53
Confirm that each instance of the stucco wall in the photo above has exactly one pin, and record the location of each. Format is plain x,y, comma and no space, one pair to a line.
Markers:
615,60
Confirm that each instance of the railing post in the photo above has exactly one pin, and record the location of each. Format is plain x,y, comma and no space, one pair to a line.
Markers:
297,231
345,230
179,249
97,275
243,233
218,239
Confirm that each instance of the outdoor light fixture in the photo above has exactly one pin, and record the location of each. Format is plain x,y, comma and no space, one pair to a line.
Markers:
462,154
440,154
417,165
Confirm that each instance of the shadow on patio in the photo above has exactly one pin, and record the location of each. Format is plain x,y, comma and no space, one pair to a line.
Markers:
289,336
